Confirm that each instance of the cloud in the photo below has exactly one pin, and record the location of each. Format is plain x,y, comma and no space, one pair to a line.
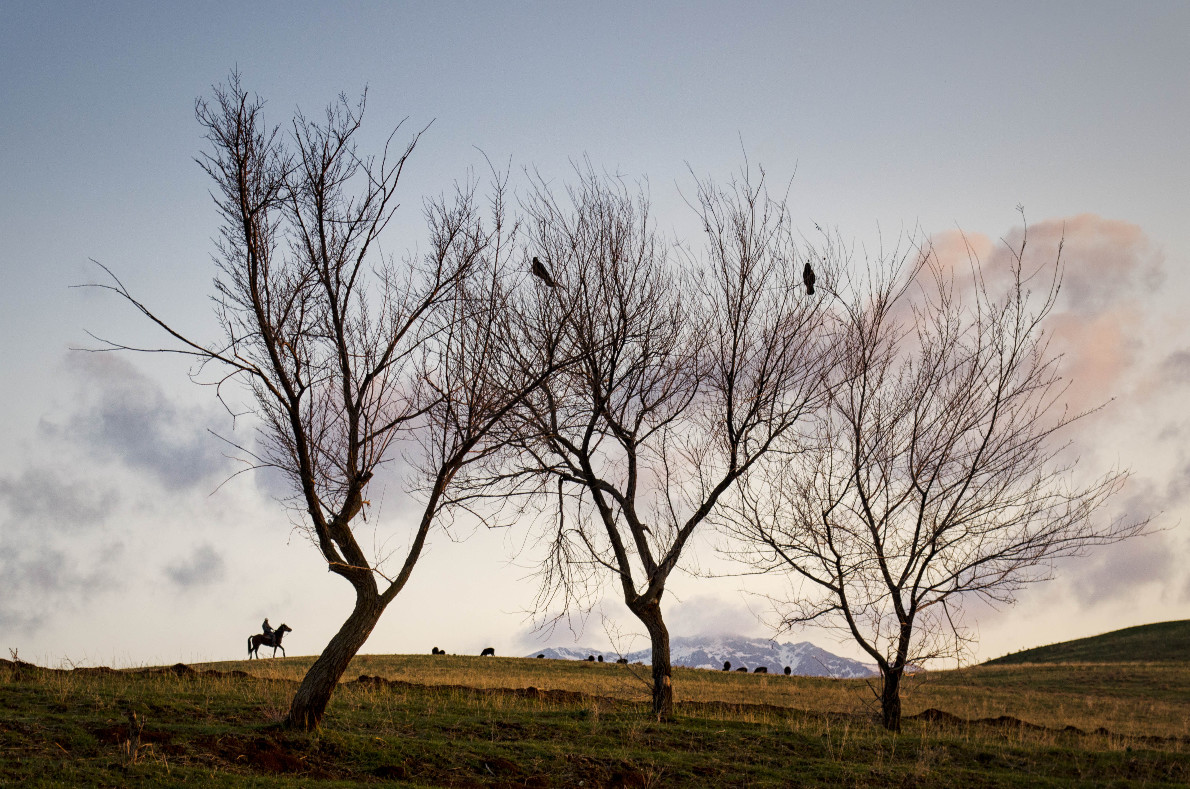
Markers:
1115,342
1102,323
704,615
1111,573
1175,368
44,501
122,415
204,566
55,551
41,579
1115,572
1107,262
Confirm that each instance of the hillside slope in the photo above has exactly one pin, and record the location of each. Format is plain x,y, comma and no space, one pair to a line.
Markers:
1160,641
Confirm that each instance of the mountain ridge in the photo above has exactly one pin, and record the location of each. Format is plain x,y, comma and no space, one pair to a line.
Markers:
710,652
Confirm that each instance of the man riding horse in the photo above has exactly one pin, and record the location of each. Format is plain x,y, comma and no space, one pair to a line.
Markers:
268,638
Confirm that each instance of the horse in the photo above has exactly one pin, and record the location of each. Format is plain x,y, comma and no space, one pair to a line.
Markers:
255,642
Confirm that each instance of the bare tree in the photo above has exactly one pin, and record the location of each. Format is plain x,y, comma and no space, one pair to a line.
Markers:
346,353
935,475
687,368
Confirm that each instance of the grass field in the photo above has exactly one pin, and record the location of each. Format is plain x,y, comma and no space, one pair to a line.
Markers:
466,721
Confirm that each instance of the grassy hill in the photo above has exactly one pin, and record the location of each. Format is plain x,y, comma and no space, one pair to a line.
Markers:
1145,643
417,720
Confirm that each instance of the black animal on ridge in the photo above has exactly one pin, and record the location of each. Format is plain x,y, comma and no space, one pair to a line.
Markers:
488,651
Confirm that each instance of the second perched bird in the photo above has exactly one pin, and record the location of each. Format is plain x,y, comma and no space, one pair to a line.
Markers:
541,272
807,277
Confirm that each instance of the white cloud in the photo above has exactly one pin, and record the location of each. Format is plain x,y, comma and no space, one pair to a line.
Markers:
119,414
203,566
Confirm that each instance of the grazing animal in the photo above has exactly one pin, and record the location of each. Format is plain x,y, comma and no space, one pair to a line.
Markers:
600,658
727,665
541,656
435,651
488,651
541,272
787,671
255,642
760,670
743,669
590,658
809,278
623,661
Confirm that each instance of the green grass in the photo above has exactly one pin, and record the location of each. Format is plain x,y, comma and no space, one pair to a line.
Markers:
466,721
1164,641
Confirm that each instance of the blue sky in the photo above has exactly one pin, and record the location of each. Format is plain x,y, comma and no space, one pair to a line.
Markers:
931,115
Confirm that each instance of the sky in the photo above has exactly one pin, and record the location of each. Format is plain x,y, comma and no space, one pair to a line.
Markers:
125,539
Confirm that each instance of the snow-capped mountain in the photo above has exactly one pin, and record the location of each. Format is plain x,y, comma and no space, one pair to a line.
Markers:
710,652
574,653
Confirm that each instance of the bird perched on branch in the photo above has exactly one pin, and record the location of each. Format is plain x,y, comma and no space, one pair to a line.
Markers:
807,277
542,273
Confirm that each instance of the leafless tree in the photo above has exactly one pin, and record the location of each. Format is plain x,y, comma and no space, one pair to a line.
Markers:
937,473
348,354
689,365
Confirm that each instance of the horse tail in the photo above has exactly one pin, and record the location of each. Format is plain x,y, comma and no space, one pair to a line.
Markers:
249,646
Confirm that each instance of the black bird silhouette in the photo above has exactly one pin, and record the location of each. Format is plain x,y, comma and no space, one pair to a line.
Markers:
542,273
807,277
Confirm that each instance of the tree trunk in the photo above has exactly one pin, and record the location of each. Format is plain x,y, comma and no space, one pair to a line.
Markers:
890,675
309,704
663,691
890,698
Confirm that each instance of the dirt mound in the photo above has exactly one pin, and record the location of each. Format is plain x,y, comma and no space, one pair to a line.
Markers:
21,669
262,754
933,715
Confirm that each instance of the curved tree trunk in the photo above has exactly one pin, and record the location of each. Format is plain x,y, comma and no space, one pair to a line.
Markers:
663,691
309,704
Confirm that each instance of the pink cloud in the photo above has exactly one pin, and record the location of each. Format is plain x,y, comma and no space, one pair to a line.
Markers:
1099,323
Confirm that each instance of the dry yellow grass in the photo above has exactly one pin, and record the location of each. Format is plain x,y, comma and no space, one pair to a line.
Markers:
1132,699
